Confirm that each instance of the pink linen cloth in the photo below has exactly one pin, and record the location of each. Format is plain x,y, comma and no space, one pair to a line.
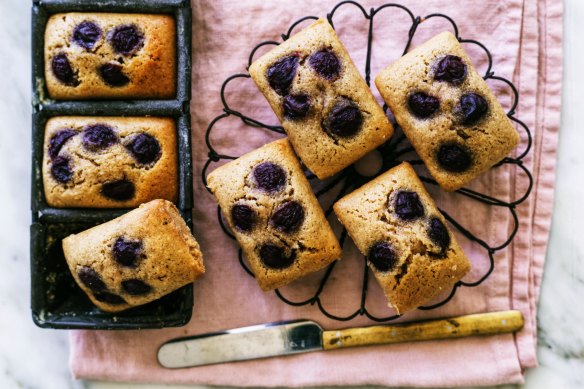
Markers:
524,38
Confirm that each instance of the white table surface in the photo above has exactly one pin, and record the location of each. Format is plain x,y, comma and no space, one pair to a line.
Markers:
35,358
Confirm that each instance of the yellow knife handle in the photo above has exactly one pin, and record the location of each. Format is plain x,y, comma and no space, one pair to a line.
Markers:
455,327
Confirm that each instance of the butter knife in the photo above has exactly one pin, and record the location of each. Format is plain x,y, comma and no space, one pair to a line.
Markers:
301,336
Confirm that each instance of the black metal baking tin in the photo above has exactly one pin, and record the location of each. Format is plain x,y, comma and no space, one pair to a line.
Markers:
56,301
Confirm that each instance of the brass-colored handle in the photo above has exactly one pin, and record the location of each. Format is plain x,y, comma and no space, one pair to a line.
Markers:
455,327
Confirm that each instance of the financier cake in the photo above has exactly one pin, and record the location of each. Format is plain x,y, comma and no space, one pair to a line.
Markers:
109,162
396,225
447,111
276,218
135,258
323,103
110,55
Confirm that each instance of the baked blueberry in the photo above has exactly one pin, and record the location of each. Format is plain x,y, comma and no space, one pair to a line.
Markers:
145,148
86,34
472,108
120,190
344,120
109,298
325,63
63,70
450,69
91,279
423,105
382,256
97,137
61,169
454,157
269,177
296,106
126,39
408,205
136,287
113,74
439,234
275,257
288,217
281,74
127,251
58,140
243,217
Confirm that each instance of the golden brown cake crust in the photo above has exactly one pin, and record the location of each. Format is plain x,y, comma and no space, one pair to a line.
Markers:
489,140
170,256
93,168
319,151
314,242
422,269
151,69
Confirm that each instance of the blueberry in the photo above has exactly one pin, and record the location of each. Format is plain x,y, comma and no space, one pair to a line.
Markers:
439,234
454,157
63,71
86,34
243,217
112,74
472,108
281,74
91,279
275,257
126,251
408,205
58,140
61,169
296,106
423,105
450,69
136,287
145,148
109,298
288,217
325,63
344,120
97,137
120,190
126,39
269,177
382,256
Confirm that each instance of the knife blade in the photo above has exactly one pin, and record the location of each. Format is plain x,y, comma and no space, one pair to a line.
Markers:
300,336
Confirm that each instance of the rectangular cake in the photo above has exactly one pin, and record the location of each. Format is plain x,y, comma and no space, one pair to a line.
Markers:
276,218
135,258
447,111
323,103
99,55
109,162
396,225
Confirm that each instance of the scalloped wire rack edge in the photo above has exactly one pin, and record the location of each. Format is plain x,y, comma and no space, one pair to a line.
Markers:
391,152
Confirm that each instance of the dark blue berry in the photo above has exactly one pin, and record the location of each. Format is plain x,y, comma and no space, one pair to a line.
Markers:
296,106
439,234
288,217
454,157
86,34
63,70
423,105
281,74
136,287
120,190
275,257
450,69
269,177
109,298
382,256
344,120
408,205
243,217
325,63
145,148
126,39
61,169
472,108
113,75
91,279
126,251
58,140
97,137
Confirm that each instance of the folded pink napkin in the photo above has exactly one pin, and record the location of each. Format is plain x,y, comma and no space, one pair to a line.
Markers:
524,38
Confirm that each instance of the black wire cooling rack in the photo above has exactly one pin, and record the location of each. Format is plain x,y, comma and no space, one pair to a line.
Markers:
392,152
